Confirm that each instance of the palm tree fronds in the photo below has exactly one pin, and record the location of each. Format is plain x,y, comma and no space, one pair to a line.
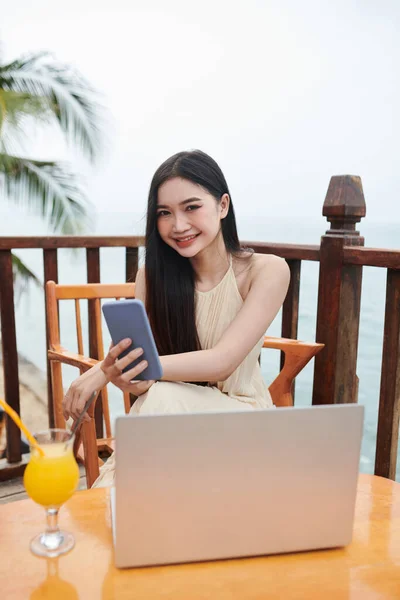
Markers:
38,87
68,95
49,189
23,276
16,109
14,105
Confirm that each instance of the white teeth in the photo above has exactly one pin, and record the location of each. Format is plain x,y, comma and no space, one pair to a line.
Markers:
191,237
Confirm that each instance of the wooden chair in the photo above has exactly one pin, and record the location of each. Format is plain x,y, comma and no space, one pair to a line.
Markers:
87,446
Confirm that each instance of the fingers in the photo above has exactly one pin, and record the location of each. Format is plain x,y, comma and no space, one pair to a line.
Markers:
123,381
74,403
81,390
142,386
139,387
77,406
113,370
133,373
68,401
65,407
115,351
121,363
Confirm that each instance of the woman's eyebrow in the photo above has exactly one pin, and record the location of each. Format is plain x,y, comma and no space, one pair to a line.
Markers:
194,199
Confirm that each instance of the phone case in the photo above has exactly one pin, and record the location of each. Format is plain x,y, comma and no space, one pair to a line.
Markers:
128,319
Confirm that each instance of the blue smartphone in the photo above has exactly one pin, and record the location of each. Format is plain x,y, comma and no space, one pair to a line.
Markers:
128,319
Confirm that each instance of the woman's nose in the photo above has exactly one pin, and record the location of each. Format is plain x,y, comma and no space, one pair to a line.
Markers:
180,224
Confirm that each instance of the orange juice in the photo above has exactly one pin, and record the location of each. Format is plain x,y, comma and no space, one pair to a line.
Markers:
51,479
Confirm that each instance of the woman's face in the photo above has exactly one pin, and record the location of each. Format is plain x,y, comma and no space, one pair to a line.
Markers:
188,217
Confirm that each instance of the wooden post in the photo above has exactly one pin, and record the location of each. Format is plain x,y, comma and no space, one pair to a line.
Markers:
131,264
93,276
50,267
10,354
290,309
389,402
339,294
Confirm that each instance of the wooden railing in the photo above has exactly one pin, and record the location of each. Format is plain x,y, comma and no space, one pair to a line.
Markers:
341,255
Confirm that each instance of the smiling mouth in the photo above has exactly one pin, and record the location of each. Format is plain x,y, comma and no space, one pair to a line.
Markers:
188,238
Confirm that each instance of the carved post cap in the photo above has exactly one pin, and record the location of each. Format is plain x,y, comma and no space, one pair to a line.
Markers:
344,204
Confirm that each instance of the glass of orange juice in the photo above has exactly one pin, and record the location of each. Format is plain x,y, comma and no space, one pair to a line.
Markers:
50,480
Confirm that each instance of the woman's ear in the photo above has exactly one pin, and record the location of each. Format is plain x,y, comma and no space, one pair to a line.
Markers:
224,205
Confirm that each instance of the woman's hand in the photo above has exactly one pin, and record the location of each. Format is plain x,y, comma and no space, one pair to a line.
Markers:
112,367
80,391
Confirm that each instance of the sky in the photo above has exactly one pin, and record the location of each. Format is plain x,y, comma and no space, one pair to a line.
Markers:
282,93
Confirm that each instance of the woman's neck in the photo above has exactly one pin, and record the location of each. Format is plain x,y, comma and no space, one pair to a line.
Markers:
211,264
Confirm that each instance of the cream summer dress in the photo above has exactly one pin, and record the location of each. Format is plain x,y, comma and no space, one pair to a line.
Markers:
245,389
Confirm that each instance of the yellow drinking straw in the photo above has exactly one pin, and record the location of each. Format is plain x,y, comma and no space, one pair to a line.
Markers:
13,415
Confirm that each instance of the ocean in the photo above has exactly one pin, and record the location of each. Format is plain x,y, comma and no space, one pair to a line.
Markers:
30,315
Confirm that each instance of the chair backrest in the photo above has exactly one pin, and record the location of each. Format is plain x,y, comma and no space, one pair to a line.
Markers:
94,293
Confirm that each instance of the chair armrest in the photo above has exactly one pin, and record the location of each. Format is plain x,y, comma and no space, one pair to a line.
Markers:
297,355
86,435
70,358
288,345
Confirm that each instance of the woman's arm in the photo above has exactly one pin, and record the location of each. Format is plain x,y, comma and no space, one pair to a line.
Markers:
269,283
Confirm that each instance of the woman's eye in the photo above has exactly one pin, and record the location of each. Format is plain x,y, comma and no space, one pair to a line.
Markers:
162,213
192,207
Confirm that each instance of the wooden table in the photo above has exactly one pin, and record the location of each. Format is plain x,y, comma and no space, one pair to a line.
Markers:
367,569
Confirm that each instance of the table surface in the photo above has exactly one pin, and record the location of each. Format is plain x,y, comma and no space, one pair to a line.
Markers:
369,568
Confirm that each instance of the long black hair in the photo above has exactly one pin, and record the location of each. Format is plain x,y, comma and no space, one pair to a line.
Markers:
170,280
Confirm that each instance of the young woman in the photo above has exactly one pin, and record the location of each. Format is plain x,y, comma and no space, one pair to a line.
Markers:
209,303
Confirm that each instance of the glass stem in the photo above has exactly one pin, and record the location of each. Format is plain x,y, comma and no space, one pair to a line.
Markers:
52,521
52,537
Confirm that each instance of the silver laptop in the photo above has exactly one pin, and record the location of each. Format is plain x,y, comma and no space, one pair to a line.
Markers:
194,487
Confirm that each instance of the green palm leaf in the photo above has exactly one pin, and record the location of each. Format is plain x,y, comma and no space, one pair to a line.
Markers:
50,189
38,87
15,106
23,276
65,93
16,109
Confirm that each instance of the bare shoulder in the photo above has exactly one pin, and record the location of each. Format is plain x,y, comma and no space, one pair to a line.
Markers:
140,284
269,264
140,275
270,273
264,268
